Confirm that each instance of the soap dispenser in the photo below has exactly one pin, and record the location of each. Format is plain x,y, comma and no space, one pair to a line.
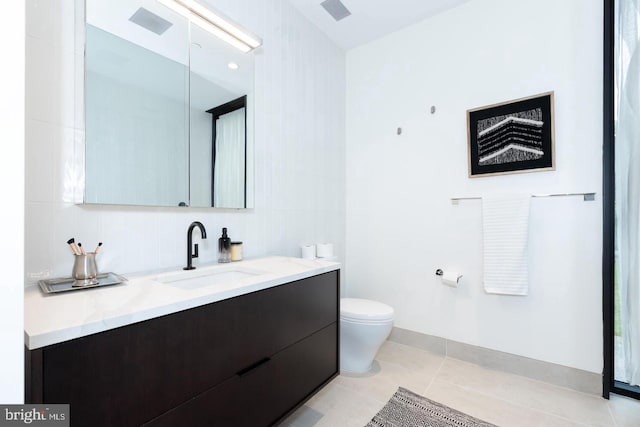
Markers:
224,247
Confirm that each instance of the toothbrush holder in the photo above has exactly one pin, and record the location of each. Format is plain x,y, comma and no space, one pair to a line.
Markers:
85,270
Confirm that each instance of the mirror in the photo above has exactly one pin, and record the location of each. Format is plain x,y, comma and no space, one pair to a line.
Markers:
168,110
221,94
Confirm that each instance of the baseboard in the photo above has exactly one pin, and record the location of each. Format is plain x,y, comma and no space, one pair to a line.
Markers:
564,376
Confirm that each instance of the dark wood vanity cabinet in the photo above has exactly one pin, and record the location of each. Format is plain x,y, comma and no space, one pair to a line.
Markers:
244,361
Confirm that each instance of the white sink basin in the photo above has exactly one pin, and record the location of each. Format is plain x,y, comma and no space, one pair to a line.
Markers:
207,277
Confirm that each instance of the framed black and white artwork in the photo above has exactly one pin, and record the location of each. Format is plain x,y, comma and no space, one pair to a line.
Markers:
512,137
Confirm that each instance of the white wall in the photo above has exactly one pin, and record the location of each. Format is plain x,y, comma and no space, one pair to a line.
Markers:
299,144
401,225
11,228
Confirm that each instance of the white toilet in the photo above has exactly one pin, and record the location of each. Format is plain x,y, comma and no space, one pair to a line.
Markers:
364,326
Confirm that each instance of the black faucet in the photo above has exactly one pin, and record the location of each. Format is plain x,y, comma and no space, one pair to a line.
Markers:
191,255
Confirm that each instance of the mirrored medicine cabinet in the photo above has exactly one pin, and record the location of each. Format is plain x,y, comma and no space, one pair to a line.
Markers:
168,110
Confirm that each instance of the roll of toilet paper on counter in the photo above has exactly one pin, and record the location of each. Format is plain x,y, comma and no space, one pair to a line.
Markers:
308,251
324,250
451,278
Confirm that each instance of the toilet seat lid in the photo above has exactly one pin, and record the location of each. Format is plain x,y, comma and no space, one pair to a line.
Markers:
364,309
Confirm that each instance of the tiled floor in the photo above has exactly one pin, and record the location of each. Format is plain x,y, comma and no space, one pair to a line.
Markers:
500,398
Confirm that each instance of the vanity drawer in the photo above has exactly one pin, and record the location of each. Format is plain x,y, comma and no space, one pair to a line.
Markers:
277,317
267,393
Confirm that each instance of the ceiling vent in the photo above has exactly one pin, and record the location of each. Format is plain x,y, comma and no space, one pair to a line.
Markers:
336,9
150,21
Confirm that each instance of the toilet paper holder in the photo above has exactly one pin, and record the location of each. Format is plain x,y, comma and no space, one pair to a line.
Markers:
450,278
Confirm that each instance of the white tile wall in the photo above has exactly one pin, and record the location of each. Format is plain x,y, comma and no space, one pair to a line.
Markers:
300,155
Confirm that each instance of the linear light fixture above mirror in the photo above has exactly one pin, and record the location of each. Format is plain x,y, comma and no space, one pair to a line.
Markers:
213,23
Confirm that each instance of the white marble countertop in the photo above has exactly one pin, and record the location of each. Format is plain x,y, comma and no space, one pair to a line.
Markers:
58,317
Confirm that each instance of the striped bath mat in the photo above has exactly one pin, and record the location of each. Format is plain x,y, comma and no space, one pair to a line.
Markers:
407,409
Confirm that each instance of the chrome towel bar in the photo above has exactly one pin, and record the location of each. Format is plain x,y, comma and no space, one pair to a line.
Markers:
587,197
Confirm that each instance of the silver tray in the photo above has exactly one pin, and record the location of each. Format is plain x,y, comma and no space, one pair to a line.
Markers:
50,286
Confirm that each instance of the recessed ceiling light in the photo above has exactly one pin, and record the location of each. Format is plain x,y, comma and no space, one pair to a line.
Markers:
233,65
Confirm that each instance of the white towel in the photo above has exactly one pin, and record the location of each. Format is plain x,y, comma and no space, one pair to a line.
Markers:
505,228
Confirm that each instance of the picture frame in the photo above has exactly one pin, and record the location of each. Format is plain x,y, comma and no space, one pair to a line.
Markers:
516,136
